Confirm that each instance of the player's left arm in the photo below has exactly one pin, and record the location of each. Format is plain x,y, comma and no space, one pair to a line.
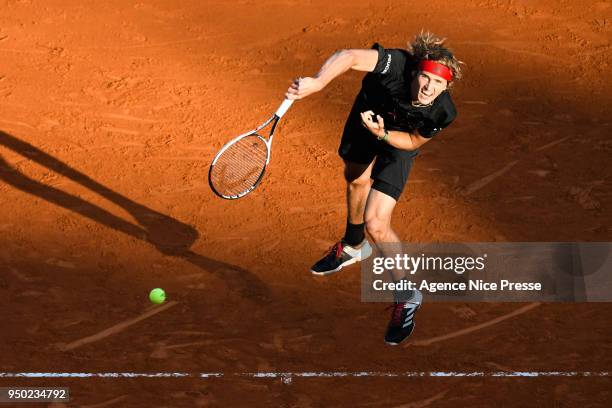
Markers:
398,139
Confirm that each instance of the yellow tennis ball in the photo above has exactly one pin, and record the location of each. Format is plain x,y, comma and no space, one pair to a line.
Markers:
157,296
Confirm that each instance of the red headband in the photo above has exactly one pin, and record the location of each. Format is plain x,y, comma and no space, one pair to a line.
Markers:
436,68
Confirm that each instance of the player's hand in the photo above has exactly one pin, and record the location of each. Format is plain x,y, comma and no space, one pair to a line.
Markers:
302,87
376,128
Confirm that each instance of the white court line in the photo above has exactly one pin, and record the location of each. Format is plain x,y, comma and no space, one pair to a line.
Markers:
317,374
89,375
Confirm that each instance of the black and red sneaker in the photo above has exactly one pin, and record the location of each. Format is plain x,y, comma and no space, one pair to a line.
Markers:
340,255
402,321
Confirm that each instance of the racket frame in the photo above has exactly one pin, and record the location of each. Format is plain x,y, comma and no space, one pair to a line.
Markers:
275,117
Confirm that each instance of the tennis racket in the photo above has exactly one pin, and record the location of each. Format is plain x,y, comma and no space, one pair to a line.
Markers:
240,165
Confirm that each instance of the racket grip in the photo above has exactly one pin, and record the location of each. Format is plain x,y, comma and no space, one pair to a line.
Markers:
283,107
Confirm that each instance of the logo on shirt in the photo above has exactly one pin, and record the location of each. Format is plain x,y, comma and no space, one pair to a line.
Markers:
387,64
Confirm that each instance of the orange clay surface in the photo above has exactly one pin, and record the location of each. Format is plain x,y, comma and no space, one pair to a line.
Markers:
110,113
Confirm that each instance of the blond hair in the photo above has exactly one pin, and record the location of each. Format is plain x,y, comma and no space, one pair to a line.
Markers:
427,45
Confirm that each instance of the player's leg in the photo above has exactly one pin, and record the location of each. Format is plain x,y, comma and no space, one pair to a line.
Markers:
379,210
390,175
353,247
358,183
378,215
358,149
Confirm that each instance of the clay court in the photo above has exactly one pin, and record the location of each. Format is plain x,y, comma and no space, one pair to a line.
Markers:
110,114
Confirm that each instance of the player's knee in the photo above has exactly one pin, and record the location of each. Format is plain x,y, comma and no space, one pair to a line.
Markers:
377,228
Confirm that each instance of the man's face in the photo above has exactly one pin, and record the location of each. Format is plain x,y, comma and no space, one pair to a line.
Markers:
426,87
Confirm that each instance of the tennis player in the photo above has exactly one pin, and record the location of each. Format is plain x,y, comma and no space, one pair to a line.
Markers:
403,103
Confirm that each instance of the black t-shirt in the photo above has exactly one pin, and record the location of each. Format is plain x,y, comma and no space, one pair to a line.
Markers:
386,91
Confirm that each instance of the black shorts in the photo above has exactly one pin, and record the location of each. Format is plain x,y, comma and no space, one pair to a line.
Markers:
392,166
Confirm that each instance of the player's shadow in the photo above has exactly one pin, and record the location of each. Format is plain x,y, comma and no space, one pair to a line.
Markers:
168,235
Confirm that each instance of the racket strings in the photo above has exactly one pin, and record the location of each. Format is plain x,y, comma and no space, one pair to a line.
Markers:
239,167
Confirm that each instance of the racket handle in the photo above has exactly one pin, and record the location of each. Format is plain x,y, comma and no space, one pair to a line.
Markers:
283,107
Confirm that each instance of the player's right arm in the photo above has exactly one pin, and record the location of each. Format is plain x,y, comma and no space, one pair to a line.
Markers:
337,64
